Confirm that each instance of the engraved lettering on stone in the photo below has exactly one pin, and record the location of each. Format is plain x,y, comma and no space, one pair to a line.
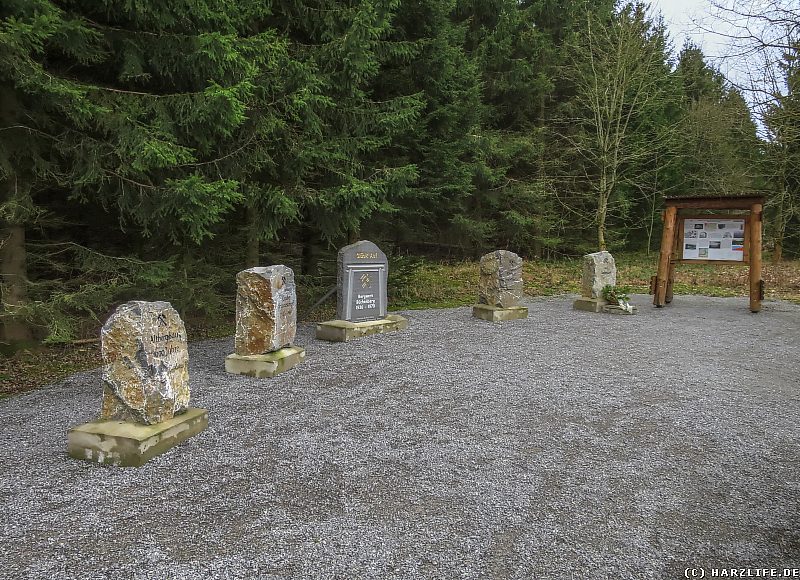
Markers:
146,371
361,282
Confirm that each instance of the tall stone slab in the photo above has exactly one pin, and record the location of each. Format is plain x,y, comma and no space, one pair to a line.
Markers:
266,310
266,323
500,281
500,287
362,276
146,363
361,299
145,408
599,271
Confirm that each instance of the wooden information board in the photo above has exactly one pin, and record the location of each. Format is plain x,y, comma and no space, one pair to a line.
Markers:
713,239
694,238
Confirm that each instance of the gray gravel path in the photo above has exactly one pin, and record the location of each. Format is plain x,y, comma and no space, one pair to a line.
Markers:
567,445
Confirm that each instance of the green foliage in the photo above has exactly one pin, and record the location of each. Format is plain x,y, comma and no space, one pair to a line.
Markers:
150,149
615,294
616,128
83,284
781,163
404,275
718,146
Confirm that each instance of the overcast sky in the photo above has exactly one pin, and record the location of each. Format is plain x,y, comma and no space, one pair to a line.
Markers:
686,19
679,15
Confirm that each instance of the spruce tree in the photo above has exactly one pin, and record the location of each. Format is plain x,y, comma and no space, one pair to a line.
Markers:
159,112
342,174
781,164
442,143
718,149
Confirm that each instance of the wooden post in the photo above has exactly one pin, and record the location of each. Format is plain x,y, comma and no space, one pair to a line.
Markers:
667,243
677,246
670,281
755,257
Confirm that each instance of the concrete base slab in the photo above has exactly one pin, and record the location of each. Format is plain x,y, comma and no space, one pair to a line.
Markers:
342,330
129,444
265,365
589,304
616,309
497,314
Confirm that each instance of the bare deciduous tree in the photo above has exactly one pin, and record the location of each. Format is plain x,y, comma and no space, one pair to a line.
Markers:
618,70
764,35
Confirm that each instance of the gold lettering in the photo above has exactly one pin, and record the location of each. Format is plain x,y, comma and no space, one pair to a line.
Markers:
366,255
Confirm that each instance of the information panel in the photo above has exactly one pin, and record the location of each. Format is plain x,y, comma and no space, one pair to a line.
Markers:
713,239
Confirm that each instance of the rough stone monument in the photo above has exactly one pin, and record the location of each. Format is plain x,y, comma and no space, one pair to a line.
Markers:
266,323
500,287
361,299
599,271
145,409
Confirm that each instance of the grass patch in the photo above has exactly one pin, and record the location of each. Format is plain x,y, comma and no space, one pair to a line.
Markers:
31,368
443,285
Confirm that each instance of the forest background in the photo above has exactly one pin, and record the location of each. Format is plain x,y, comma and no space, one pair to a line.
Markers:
151,150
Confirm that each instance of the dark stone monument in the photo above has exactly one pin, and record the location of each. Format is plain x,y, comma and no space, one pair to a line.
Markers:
361,301
361,282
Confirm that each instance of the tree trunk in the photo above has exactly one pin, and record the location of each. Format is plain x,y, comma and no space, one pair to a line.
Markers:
13,263
253,252
601,235
14,273
780,231
604,192
538,248
777,253
308,259
602,211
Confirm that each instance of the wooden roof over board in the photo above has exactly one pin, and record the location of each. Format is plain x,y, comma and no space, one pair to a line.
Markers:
718,202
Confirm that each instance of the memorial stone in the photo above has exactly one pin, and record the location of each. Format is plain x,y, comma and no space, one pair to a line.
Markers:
145,408
266,323
266,310
500,279
361,282
146,372
599,271
500,287
361,301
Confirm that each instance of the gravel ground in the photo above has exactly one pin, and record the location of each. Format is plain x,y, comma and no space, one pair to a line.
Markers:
567,445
